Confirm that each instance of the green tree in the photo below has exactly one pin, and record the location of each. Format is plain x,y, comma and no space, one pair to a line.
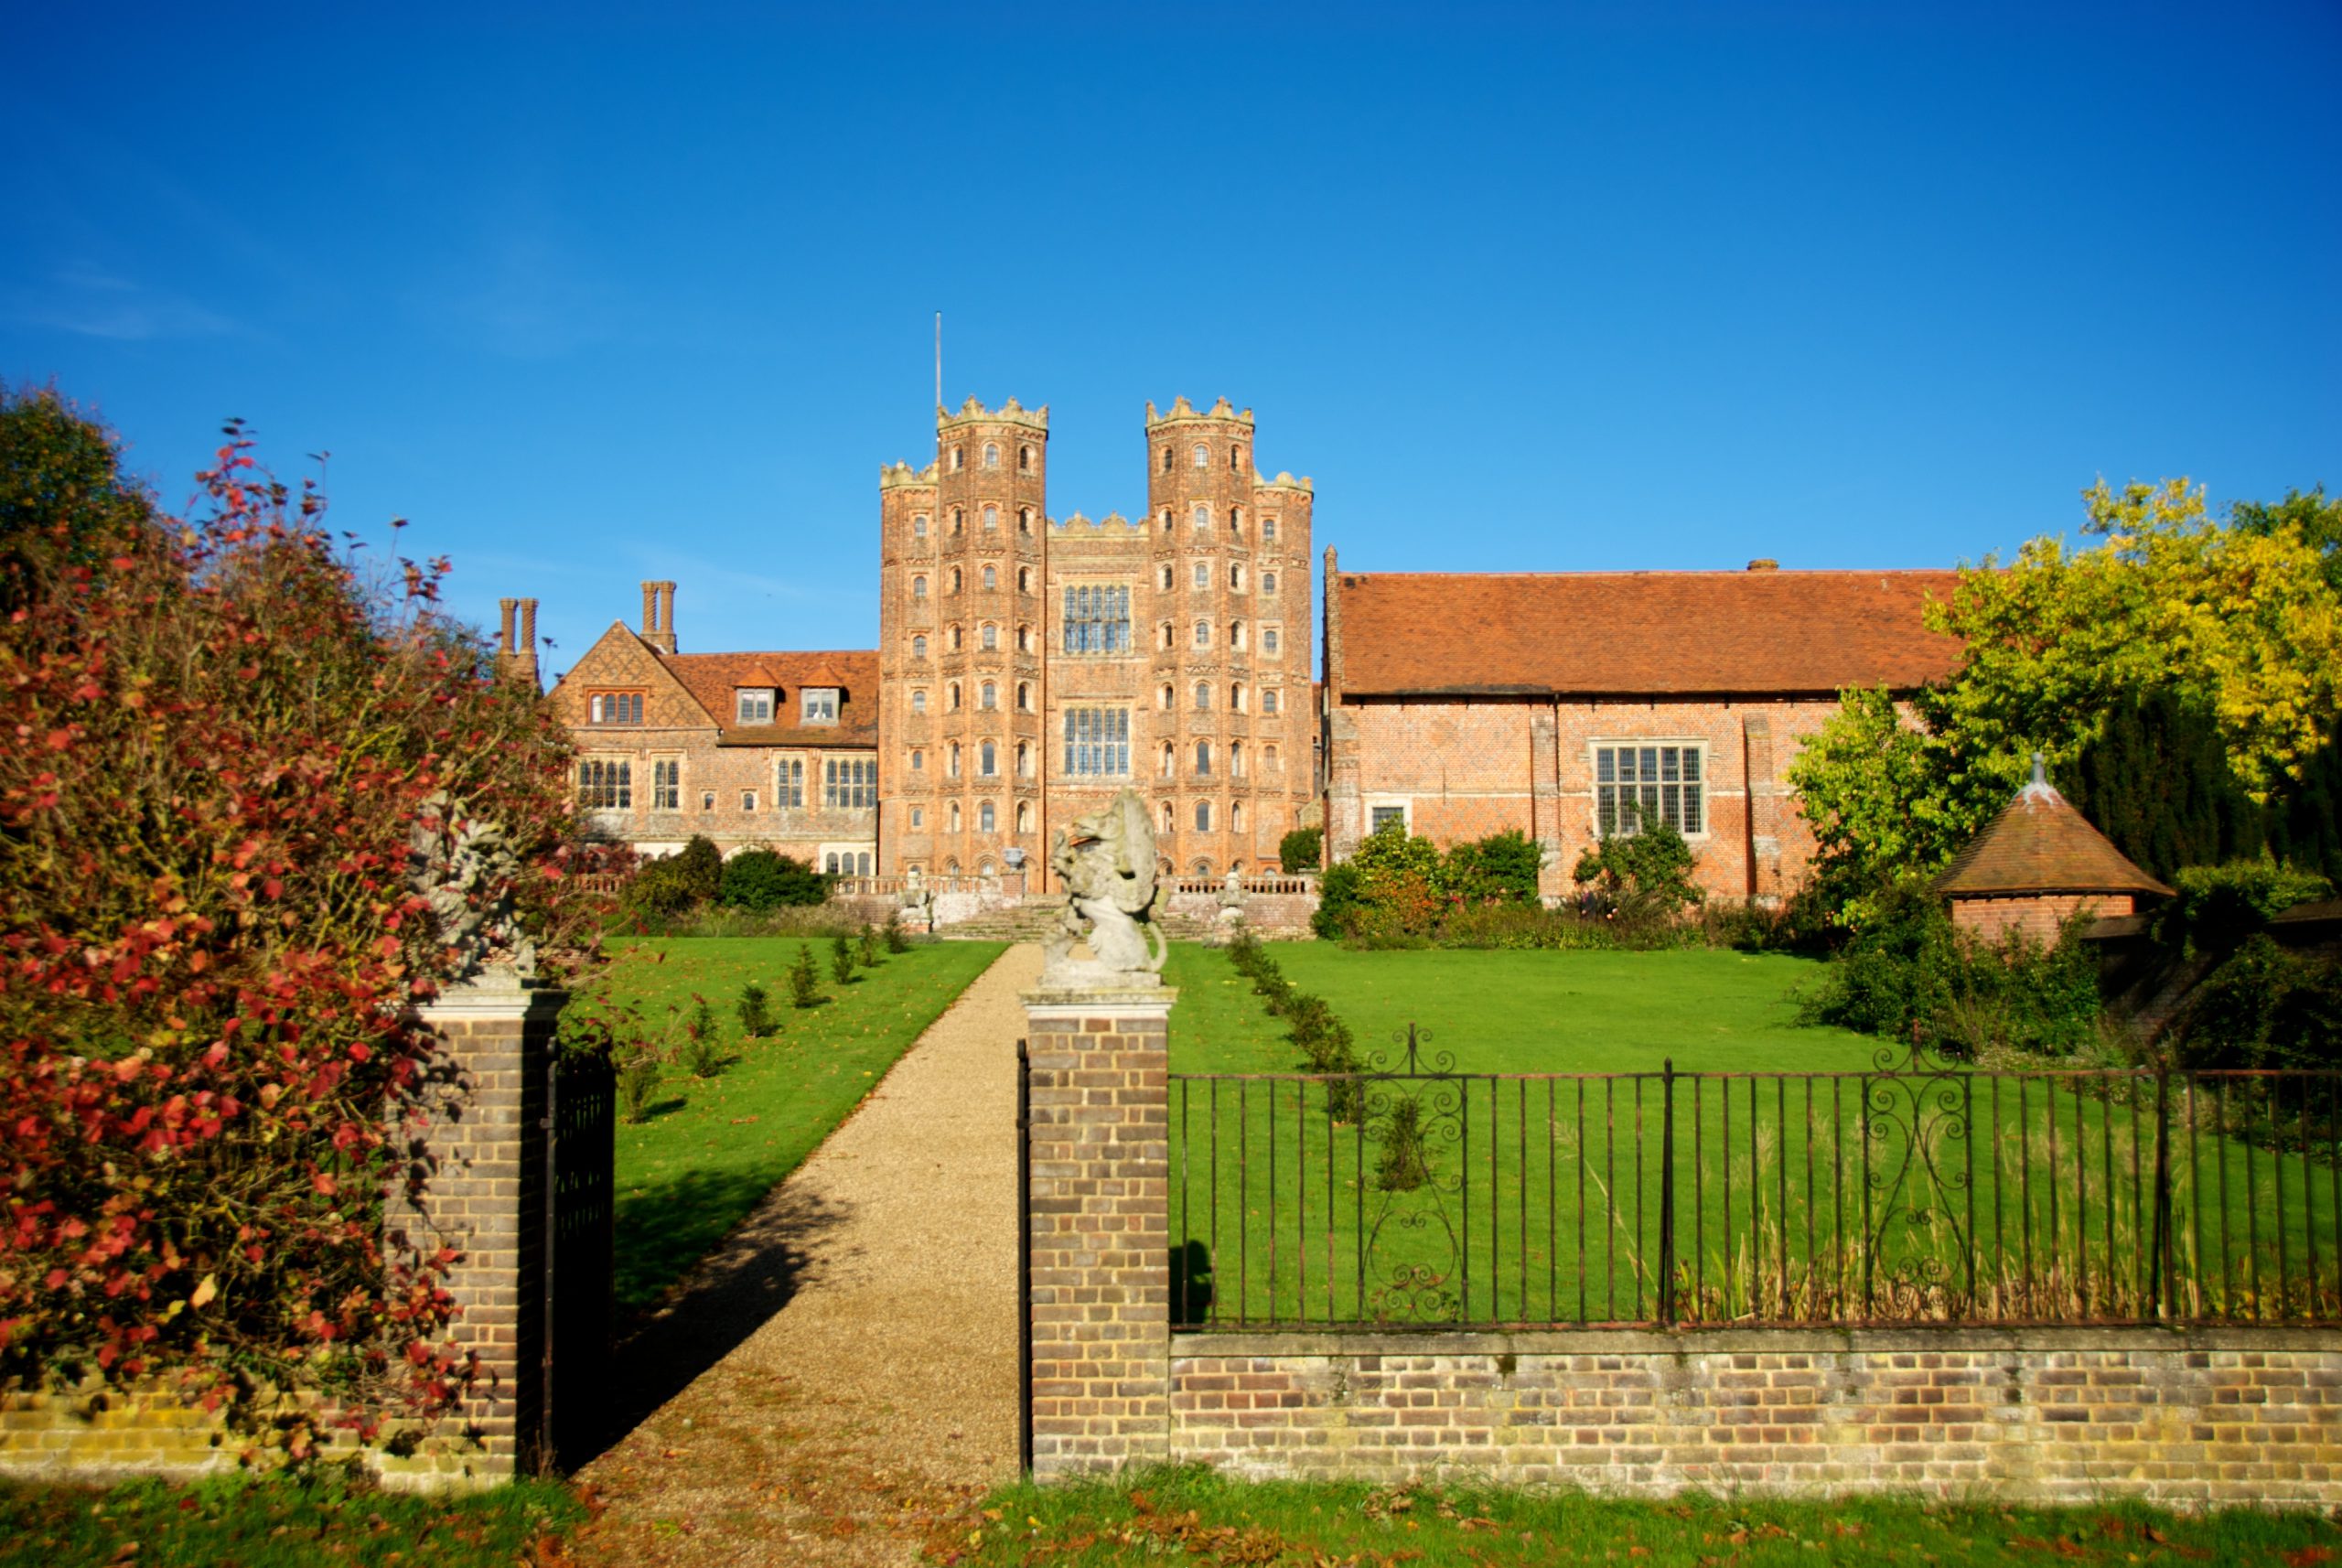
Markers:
2155,780
2309,513
1644,874
64,499
1304,849
699,869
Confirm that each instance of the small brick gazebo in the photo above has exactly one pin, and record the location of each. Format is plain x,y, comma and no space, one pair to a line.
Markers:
2037,866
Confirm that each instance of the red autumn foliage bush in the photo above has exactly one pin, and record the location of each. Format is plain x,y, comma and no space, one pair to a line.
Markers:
219,735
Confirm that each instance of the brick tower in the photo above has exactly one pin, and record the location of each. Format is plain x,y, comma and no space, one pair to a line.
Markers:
961,567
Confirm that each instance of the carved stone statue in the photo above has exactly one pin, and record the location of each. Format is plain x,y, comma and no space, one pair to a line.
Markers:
1108,861
465,871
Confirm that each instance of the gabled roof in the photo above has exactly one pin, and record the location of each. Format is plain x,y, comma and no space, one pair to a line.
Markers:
712,678
1636,633
2039,844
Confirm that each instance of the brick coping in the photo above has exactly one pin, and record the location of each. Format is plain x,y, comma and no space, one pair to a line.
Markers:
1188,1346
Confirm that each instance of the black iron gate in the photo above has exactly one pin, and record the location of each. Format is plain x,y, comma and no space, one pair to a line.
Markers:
580,1129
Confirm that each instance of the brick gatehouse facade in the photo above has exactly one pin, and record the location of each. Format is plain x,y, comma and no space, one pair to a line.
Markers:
1029,666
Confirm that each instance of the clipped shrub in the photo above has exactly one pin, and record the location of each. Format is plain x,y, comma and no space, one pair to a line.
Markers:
660,888
2219,907
1302,850
1502,868
805,978
756,1012
767,879
699,867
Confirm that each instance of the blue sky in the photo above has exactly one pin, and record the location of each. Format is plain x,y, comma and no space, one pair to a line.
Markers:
647,291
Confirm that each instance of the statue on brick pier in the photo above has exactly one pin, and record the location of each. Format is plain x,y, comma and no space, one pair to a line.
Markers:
1107,860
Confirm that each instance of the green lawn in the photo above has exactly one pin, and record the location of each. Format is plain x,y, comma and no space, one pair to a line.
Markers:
712,1147
1807,1187
1191,1515
278,1523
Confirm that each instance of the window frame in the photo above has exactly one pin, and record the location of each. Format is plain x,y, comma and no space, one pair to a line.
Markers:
1651,793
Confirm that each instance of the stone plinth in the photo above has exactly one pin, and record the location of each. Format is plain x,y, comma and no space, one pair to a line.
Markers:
1098,1242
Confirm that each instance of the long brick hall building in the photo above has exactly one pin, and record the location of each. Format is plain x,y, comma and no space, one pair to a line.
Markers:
1030,666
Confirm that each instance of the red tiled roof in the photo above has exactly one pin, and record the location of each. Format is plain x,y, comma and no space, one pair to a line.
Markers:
2039,844
711,677
1613,633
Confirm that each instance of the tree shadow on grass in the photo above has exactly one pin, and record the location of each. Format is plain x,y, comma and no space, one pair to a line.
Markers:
718,1302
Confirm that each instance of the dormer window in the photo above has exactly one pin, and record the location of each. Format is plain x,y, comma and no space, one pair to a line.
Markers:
820,705
755,704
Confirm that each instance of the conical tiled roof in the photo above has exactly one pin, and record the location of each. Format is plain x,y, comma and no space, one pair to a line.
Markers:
2039,844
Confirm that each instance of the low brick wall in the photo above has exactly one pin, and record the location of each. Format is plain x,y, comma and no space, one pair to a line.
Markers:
2070,1415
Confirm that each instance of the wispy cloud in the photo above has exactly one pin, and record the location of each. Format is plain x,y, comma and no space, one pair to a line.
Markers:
92,304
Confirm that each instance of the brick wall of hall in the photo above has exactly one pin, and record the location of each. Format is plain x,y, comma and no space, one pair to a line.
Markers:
2070,1415
1464,768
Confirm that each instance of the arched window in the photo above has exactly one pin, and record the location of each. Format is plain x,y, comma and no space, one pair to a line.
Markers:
1236,459
1023,816
989,638
1163,698
1236,634
1268,639
1236,522
1170,635
1268,531
919,527
952,760
1025,520
955,638
1166,816
1203,634
1203,455
1024,637
1236,759
991,520
992,578
1170,758
1269,758
831,865
952,698
1166,519
992,455
1023,760
955,579
956,456
919,760
1268,582
1236,696
1164,578
919,646
918,587
988,696
1024,459
1203,696
1203,573
951,863
1167,459
988,760
1269,700
1203,821
1024,696
959,521
1236,817
1202,517
918,820
1236,576
1203,759
919,701
984,817
1024,579
954,865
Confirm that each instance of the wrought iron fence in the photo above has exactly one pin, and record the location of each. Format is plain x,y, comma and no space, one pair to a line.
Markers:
1921,1190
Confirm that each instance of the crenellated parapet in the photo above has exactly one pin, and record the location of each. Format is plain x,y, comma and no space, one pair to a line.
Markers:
973,411
1181,411
1283,481
898,476
1111,526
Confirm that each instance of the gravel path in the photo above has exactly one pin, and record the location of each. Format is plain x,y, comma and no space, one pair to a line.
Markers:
857,1333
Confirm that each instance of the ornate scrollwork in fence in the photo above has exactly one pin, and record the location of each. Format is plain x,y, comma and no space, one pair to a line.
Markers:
1414,1123
1918,1256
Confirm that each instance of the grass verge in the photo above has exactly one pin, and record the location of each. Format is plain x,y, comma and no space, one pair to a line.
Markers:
711,1146
280,1523
1194,1516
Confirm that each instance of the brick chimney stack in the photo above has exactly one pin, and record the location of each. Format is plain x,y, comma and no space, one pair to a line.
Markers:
516,639
658,616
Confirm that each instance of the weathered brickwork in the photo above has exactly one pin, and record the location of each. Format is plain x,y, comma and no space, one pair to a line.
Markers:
482,1151
2038,916
1101,1300
2051,1416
